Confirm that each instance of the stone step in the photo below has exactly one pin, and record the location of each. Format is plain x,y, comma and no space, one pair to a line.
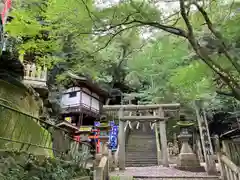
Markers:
145,146
142,162
140,165
166,178
144,154
143,142
152,161
176,178
162,173
142,136
141,157
146,151
141,147
141,153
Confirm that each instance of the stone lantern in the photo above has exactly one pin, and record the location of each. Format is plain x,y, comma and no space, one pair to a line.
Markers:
187,159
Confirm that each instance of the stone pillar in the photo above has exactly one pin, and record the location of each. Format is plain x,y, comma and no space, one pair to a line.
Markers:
121,138
187,159
163,138
199,149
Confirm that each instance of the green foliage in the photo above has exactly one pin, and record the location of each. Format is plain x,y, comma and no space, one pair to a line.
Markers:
172,72
45,27
93,42
193,81
15,166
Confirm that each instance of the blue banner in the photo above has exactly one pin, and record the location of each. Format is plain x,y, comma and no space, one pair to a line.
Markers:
113,137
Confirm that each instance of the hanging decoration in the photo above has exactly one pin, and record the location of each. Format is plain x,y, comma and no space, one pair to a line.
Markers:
113,137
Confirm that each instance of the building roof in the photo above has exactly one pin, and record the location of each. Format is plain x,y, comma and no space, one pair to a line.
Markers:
88,83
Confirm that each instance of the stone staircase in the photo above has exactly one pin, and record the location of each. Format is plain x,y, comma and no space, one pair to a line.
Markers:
159,173
177,178
141,150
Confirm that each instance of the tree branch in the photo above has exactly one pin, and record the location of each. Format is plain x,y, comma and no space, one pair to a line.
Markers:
225,93
228,79
186,20
114,35
170,29
218,35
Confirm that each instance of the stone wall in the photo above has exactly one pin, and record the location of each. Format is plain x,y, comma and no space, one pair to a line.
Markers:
19,127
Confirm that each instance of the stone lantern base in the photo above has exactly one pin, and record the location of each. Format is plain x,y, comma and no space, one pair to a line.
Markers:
187,160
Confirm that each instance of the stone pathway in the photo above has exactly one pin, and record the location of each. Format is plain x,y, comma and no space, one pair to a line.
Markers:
157,171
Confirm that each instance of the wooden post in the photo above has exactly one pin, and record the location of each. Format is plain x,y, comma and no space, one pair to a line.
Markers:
208,133
205,138
98,174
121,137
199,149
226,150
218,151
163,138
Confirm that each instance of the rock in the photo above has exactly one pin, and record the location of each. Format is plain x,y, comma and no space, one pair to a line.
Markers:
11,65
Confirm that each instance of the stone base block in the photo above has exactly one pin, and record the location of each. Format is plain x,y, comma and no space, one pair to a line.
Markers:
189,162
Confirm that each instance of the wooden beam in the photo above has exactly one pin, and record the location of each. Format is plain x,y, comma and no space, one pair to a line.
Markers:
141,107
141,118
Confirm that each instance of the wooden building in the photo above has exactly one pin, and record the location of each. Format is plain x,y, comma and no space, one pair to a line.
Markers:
81,104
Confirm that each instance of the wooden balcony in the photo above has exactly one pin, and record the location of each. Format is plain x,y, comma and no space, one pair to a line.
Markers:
80,108
35,76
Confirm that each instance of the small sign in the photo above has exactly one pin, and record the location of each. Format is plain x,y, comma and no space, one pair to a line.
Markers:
68,119
97,123
85,128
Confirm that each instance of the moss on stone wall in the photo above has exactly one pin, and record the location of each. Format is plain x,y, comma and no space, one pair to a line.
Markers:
19,127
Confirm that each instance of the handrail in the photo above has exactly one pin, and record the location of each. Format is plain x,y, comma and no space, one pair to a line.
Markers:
102,170
158,145
229,170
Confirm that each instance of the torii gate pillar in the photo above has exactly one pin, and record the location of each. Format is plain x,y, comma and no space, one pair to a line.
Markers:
121,138
163,138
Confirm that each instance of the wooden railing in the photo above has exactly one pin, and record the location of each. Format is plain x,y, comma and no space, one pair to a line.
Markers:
158,145
102,170
229,170
34,74
232,150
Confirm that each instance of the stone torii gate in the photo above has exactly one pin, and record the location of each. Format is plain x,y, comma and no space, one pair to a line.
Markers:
156,116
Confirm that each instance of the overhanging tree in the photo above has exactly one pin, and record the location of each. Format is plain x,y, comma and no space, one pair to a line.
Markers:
137,14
